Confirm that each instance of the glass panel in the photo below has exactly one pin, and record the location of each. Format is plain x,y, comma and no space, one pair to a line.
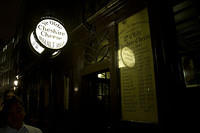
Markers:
191,71
135,61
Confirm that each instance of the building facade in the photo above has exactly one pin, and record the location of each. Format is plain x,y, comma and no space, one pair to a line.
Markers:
126,66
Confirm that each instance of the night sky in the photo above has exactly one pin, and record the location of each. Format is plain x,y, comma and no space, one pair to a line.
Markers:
12,12
9,15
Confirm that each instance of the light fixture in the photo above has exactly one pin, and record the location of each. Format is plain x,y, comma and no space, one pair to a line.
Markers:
17,77
76,89
16,82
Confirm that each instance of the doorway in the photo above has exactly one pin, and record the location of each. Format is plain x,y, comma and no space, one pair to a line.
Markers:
95,99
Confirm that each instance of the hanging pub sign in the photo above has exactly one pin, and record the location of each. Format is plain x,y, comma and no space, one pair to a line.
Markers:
49,36
51,33
39,49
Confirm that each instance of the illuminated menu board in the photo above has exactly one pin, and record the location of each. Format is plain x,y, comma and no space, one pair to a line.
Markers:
137,77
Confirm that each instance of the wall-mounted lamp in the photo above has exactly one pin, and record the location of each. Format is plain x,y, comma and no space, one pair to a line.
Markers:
17,77
76,89
16,82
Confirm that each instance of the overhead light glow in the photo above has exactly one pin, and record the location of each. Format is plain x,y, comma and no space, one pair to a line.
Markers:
101,76
76,89
16,82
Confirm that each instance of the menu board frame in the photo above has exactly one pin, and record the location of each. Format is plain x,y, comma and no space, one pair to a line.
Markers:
138,99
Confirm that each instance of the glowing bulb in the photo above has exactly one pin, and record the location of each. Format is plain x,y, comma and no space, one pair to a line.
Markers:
16,82
76,89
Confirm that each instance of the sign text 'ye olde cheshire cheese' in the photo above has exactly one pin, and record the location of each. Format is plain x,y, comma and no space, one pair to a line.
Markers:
51,34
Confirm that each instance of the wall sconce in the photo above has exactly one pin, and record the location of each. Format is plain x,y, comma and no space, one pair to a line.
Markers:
16,82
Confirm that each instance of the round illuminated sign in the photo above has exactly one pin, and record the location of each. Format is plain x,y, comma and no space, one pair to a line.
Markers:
35,45
128,57
51,33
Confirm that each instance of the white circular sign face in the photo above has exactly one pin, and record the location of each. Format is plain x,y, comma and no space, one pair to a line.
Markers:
35,45
128,57
51,34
